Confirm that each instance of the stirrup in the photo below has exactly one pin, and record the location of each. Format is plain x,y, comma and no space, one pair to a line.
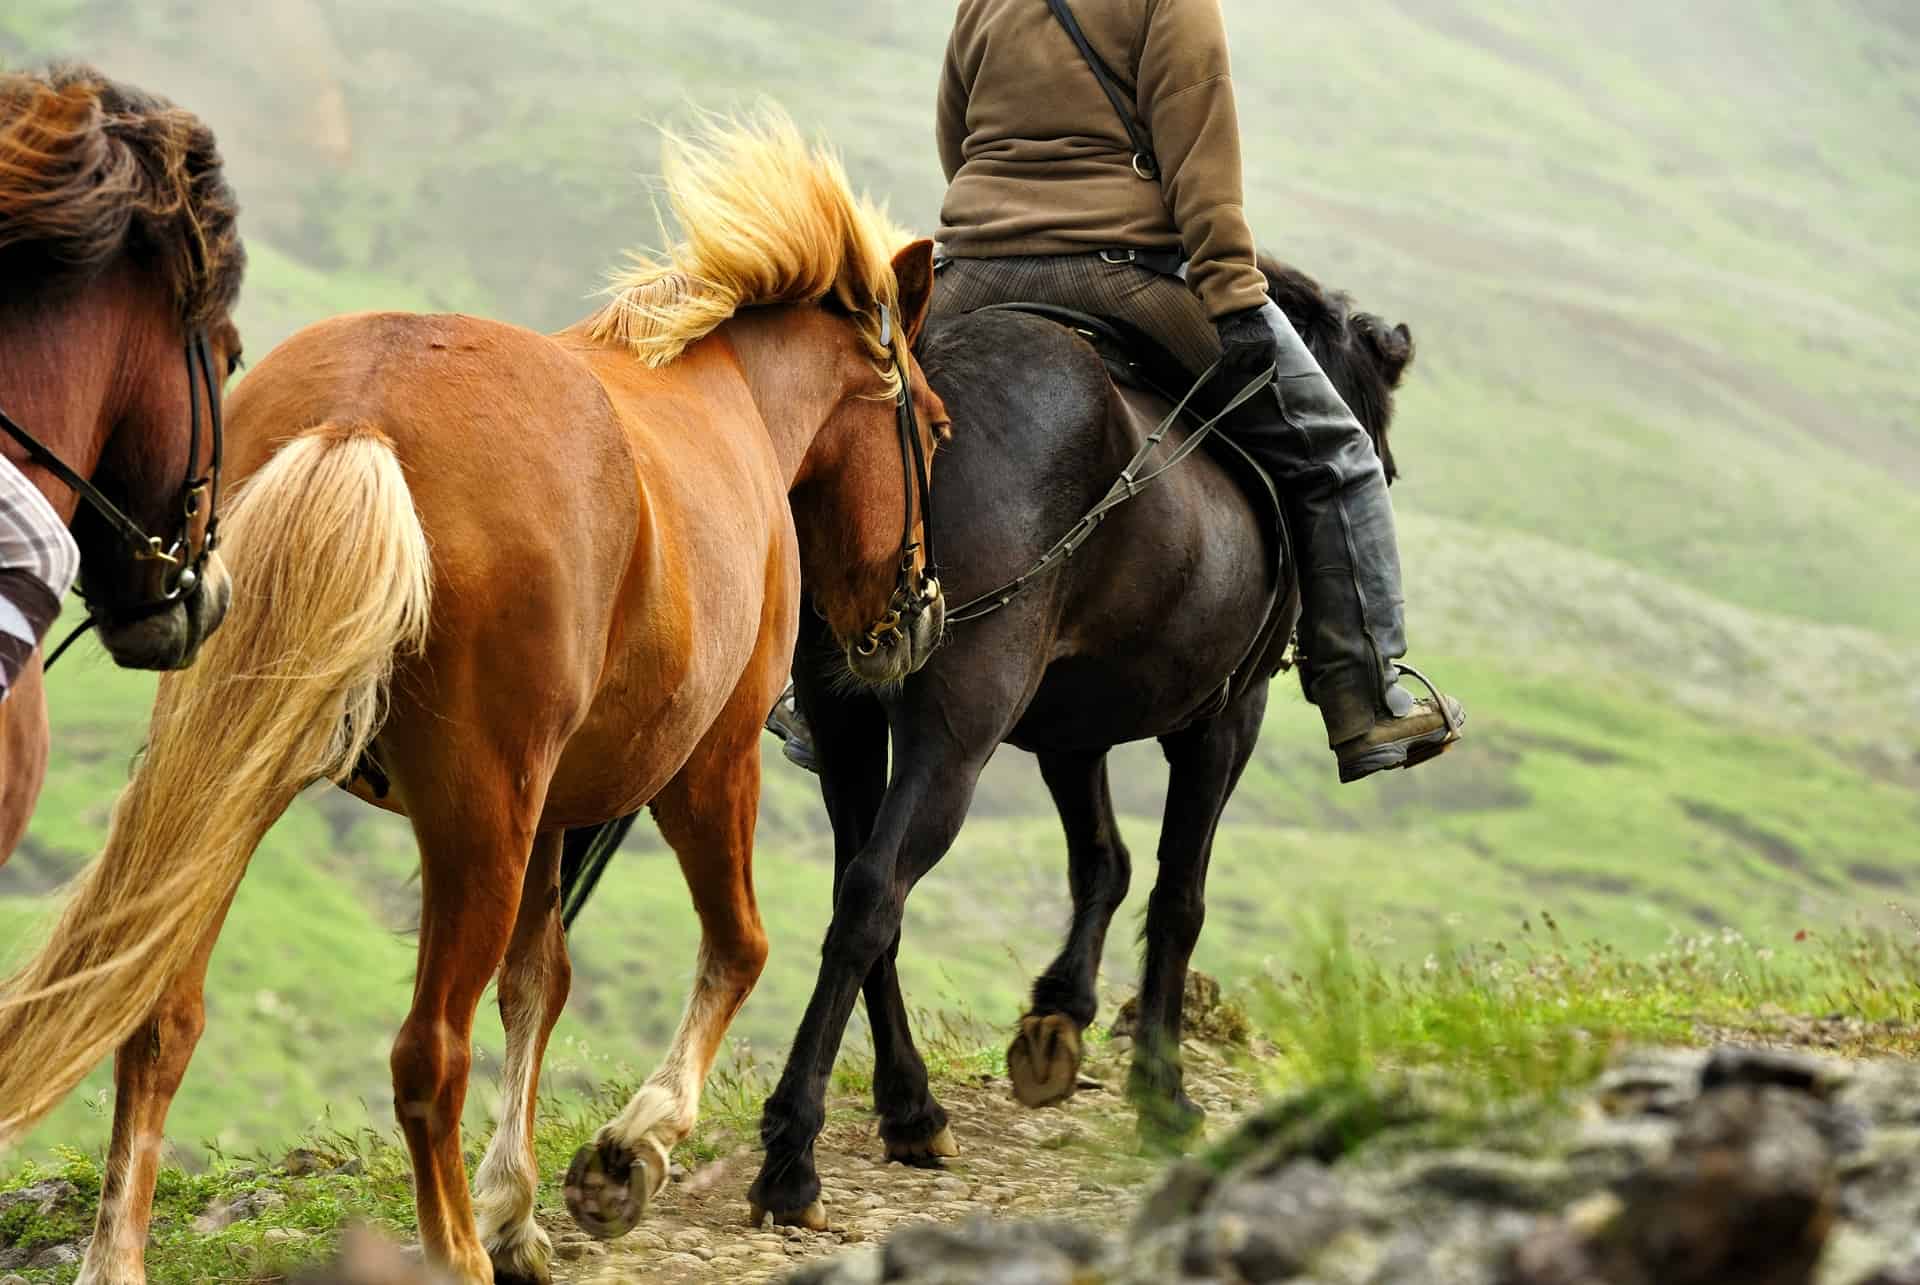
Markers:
1421,754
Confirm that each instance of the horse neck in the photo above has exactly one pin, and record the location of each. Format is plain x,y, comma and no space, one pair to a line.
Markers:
795,380
63,377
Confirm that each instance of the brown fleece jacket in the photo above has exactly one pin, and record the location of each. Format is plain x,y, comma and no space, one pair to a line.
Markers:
1037,161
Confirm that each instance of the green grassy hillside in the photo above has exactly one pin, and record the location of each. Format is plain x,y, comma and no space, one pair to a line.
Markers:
1661,448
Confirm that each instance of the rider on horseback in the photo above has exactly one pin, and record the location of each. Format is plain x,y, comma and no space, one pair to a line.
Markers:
1051,198
1109,181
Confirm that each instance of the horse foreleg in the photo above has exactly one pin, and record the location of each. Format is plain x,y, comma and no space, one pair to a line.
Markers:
1205,762
475,833
850,741
918,820
707,814
533,989
1044,1060
147,1072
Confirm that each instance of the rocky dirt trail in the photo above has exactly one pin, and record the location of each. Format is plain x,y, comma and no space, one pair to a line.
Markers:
1075,1162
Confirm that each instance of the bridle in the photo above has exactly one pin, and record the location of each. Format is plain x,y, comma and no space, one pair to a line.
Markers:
170,571
915,590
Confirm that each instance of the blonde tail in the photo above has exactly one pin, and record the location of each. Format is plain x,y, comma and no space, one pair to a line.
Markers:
331,581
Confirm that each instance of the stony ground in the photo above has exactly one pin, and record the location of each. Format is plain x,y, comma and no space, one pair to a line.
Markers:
1073,1161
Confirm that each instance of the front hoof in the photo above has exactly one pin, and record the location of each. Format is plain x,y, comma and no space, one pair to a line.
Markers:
1044,1060
924,1153
608,1187
1168,1126
813,1217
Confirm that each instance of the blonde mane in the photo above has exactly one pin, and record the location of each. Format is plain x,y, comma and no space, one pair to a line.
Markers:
766,218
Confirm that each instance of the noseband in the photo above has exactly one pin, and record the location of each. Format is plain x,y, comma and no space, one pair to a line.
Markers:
172,570
914,591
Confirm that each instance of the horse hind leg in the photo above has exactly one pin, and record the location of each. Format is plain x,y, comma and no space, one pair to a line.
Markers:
1205,762
707,815
147,1071
534,981
475,840
1043,1061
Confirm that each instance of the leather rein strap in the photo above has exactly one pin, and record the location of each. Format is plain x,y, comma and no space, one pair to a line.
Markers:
193,492
1145,164
1129,484
913,591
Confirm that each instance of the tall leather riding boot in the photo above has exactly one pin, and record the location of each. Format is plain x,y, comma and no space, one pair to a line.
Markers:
1347,556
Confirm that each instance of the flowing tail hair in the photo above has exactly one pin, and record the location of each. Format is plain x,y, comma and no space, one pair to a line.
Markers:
332,581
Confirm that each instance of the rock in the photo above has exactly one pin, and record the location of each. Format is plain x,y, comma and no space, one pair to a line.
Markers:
45,1197
1007,1254
352,1167
1179,1195
1267,1229
13,1280
284,1236
55,1256
951,1189
1748,1194
1904,1271
1650,1082
302,1163
1494,1178
1199,1010
242,1208
1776,1067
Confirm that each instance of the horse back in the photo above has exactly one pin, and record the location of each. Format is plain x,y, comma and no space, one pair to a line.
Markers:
1137,632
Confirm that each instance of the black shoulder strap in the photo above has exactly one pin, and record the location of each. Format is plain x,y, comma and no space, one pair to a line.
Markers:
1144,163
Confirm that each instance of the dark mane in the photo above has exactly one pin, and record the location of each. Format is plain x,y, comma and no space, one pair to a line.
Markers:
1363,355
91,169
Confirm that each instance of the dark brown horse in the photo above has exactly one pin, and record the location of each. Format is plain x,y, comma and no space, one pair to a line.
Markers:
525,582
1151,630
118,248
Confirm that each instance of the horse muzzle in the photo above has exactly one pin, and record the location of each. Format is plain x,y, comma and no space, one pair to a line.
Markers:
901,642
170,637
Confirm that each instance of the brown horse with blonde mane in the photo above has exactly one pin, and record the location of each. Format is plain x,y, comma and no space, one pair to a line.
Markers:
523,583
119,248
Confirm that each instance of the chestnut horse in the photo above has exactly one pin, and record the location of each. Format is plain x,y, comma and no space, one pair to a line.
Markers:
525,583
121,258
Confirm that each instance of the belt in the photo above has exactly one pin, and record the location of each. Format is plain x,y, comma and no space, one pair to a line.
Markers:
1168,263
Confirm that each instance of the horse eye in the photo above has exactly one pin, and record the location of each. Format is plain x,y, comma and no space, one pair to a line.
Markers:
234,364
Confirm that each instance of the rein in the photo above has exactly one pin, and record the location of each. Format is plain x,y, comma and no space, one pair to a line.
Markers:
1129,484
914,592
147,549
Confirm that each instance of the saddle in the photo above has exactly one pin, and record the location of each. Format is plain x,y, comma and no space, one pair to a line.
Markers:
1135,360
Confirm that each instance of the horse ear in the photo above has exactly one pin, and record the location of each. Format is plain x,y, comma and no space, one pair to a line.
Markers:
1395,349
913,269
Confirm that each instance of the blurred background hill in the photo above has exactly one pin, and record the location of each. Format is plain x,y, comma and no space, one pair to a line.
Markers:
1661,452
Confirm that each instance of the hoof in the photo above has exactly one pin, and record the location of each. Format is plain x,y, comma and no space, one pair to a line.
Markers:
813,1217
925,1154
1168,1127
1044,1060
523,1261
608,1187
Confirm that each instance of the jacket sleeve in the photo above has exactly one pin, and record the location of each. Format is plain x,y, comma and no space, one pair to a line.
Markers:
1186,102
950,117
